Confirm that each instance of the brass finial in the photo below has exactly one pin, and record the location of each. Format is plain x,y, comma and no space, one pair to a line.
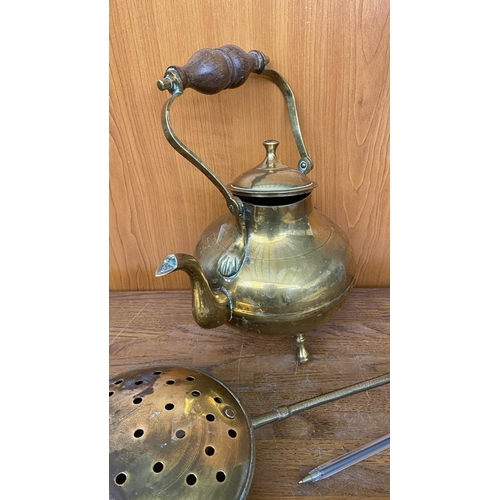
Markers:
270,146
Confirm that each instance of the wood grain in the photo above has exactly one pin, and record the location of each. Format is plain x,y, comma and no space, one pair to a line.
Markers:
335,56
157,329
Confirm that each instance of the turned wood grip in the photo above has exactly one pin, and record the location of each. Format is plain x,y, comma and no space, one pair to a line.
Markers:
211,70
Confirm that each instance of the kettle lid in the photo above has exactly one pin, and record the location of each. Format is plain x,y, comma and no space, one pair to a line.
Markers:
271,178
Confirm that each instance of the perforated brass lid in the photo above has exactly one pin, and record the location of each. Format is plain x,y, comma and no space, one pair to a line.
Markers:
177,434
271,178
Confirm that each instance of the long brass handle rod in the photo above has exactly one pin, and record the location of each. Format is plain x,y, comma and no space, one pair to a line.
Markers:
283,412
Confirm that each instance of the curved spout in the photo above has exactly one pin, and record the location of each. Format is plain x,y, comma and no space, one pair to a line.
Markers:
211,308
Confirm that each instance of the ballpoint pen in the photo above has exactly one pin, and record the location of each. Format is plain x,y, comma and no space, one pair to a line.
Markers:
353,457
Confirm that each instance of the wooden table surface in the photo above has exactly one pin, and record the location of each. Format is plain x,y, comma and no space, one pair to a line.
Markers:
156,329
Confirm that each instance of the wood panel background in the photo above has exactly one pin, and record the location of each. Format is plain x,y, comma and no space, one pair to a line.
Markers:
334,54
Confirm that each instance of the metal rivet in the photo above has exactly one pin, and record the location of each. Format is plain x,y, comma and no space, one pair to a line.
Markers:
230,413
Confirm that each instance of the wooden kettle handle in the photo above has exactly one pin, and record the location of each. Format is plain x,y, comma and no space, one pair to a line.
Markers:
211,70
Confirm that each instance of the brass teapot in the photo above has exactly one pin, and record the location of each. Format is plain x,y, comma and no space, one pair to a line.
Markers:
273,264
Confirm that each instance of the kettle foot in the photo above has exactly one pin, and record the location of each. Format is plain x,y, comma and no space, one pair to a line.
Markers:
302,354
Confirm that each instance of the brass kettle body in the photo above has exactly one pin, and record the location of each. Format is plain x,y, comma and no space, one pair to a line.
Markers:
273,264
297,270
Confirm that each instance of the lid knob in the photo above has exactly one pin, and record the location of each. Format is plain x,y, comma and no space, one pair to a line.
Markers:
271,146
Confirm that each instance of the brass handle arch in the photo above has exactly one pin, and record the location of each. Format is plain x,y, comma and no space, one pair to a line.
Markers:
210,71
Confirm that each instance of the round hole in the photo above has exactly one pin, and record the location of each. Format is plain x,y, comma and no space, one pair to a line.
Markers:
137,401
121,478
218,400
232,433
191,479
190,378
180,433
169,406
196,393
220,476
210,417
139,382
170,382
118,382
156,373
209,450
138,433
158,467
111,393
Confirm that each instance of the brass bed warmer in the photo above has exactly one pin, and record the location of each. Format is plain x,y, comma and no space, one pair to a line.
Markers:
273,264
181,434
